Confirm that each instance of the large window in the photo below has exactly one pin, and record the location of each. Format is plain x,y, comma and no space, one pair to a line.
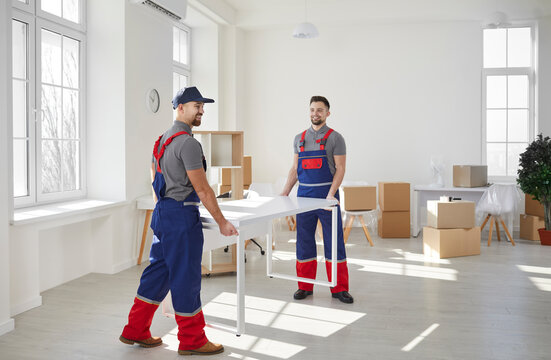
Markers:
508,98
48,83
180,57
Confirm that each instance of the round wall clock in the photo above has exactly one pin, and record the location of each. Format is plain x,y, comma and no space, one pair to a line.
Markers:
152,100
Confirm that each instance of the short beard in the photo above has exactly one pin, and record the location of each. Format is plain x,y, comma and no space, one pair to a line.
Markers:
196,122
316,122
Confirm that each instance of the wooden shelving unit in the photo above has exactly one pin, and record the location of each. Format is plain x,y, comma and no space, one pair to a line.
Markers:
224,149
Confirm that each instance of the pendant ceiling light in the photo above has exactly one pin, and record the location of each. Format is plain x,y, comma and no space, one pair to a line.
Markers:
305,30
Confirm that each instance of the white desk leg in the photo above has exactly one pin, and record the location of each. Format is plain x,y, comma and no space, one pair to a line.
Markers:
334,260
240,286
416,211
269,240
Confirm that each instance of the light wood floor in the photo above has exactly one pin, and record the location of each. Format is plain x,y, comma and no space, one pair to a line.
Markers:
493,306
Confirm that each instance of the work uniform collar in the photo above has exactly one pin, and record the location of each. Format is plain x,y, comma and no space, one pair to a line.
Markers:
322,130
181,126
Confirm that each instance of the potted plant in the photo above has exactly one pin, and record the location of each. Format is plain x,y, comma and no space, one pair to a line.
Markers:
534,178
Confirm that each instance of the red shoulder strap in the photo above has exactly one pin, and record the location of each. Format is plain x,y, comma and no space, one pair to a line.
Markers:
158,154
301,143
323,140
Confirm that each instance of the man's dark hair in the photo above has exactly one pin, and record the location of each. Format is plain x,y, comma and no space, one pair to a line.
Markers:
322,99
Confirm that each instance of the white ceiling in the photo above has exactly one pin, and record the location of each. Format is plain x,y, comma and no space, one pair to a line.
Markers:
265,13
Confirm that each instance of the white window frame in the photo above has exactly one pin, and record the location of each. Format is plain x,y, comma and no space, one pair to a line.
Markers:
28,7
80,26
532,115
28,19
36,20
178,67
63,195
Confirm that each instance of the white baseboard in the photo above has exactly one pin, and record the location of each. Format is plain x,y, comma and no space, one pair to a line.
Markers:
27,305
7,326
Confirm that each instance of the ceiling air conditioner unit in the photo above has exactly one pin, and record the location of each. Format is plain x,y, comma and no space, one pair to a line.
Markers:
175,9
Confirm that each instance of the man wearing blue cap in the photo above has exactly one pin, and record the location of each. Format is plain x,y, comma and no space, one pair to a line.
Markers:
179,183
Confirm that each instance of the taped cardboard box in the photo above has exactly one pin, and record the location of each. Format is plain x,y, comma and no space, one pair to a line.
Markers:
394,224
451,215
533,207
394,196
446,243
357,198
470,175
529,225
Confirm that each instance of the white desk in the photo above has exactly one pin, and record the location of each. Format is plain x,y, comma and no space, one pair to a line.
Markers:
423,193
252,218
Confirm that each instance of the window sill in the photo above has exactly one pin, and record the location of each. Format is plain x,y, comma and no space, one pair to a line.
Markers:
61,210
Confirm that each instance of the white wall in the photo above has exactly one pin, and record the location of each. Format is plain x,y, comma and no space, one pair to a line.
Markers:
205,68
399,93
106,100
148,64
6,323
544,75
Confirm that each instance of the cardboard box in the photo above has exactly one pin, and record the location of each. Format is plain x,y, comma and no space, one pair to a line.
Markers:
446,243
450,215
356,198
529,225
470,175
394,196
394,224
533,207
247,172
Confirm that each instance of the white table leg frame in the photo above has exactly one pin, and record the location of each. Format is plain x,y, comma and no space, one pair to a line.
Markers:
333,282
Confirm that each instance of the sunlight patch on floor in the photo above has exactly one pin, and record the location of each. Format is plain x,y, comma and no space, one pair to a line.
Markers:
409,256
307,319
544,284
413,343
393,268
535,269
262,346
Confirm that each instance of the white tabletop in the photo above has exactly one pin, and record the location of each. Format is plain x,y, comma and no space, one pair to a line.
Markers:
260,209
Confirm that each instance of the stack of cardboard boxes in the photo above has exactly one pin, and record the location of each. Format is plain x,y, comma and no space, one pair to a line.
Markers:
532,219
394,214
225,186
450,229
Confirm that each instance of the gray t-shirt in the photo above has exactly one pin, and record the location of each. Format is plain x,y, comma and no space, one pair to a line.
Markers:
182,154
335,144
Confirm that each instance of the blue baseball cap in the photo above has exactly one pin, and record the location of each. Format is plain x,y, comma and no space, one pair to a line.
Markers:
188,94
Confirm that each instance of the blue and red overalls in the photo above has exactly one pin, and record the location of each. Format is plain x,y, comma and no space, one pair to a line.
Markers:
315,180
175,265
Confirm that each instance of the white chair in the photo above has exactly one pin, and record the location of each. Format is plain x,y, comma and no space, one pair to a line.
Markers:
498,200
